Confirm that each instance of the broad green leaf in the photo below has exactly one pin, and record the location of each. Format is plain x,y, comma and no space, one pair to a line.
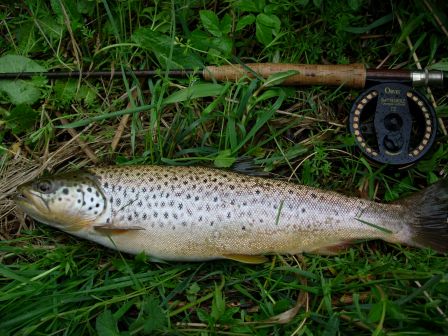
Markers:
161,44
21,118
267,26
354,4
279,77
211,22
17,63
155,318
224,159
244,22
20,91
67,91
193,92
226,24
256,6
106,325
376,311
218,304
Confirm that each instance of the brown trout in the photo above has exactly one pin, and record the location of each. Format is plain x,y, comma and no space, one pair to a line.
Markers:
194,213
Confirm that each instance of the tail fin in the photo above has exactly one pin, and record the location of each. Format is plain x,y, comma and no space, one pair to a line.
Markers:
430,224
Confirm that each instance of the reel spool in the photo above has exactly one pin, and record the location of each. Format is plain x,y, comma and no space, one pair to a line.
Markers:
392,123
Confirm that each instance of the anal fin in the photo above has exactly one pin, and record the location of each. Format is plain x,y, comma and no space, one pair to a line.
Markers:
333,249
247,259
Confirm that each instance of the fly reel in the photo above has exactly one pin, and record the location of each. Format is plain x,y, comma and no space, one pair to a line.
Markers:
393,124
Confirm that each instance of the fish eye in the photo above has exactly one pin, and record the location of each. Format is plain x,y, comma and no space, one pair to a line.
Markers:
44,186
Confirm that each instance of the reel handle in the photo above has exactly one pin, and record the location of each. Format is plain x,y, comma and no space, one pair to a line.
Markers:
352,75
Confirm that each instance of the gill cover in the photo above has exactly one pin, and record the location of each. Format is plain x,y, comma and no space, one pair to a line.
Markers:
69,202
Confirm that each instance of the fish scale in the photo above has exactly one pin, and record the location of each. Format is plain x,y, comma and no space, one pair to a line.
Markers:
195,213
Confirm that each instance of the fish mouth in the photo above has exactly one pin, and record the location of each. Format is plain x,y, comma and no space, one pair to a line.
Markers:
27,200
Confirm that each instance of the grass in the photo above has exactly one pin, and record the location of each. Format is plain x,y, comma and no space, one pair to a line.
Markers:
54,284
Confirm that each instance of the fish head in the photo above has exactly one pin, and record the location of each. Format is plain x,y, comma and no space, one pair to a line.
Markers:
70,202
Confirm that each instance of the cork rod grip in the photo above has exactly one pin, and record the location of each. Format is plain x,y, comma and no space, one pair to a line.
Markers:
351,75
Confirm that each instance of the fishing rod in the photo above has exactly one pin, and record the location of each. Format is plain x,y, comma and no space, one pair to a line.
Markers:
391,121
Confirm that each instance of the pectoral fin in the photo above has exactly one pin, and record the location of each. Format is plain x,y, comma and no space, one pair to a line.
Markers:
116,229
247,259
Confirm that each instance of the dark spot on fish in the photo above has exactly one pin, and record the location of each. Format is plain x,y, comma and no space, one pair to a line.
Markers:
244,203
275,206
79,190
90,208
108,221
175,216
95,213
125,194
144,189
91,199
140,203
220,183
313,195
129,217
118,201
155,214
257,191
231,187
111,199
229,215
232,202
243,228
184,223
196,198
214,179
113,188
261,220
162,204
211,223
165,215
303,210
291,191
59,199
185,182
178,194
180,206
188,196
97,205
65,191
189,212
215,199
159,187
166,175
205,180
171,203
200,218
154,196
79,201
89,189
207,207
144,216
133,189
83,203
